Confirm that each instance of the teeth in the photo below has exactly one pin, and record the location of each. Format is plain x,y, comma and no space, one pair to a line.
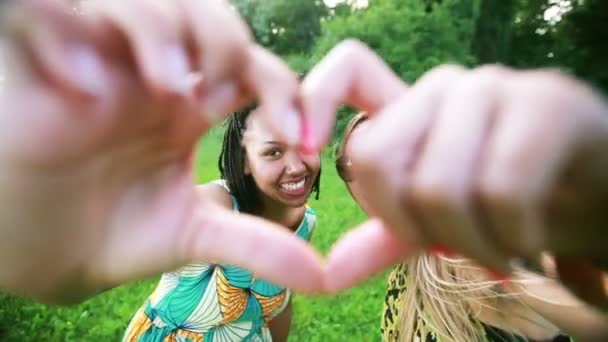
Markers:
293,186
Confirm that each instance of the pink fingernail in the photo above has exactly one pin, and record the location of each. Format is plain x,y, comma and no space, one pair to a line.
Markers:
307,139
441,250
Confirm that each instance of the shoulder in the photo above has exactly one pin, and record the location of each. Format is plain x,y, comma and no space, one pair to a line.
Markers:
310,213
216,192
307,224
311,217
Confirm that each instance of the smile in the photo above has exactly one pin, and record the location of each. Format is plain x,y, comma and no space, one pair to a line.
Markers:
295,186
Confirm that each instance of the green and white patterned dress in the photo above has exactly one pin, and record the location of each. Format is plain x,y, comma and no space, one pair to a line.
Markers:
213,302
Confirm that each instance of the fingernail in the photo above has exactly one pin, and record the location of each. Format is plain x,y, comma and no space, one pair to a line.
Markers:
442,250
177,68
306,146
88,70
217,100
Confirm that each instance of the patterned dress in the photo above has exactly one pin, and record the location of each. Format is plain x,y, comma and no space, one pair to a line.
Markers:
213,302
390,319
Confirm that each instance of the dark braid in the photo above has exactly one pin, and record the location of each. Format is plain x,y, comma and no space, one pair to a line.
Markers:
232,165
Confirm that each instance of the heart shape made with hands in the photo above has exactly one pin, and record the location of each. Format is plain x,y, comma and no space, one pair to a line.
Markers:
474,175
112,132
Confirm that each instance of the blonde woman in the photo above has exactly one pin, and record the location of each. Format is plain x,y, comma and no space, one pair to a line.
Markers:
440,298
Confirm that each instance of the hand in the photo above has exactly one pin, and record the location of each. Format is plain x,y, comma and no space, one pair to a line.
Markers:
492,163
101,114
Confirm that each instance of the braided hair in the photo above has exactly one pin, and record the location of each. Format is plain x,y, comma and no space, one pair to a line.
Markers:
231,164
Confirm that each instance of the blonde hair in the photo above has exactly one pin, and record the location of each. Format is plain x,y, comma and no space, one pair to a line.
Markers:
447,297
450,297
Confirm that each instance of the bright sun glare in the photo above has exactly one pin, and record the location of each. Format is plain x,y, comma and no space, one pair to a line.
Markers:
357,3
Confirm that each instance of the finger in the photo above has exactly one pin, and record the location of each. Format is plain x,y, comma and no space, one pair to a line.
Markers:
155,40
275,86
267,81
362,253
351,74
219,40
271,251
385,161
51,44
211,235
442,190
524,159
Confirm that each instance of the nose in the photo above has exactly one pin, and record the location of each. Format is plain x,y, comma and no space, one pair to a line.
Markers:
294,165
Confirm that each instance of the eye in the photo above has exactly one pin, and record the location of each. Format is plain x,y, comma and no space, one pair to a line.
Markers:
274,153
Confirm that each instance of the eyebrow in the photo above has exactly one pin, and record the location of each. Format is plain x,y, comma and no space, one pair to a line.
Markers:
272,143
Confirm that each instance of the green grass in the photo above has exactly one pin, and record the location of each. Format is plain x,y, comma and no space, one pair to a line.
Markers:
353,315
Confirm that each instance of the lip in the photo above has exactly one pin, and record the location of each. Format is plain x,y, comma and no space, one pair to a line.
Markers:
304,190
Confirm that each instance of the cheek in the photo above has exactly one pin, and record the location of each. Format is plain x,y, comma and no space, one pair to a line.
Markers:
262,170
313,163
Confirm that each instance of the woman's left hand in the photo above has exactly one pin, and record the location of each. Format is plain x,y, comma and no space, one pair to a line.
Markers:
491,163
100,118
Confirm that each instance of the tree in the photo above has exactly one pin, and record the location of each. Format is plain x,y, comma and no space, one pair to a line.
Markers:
574,40
284,26
585,29
493,27
410,39
404,33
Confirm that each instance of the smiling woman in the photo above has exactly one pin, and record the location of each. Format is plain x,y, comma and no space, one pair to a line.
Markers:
261,175
263,171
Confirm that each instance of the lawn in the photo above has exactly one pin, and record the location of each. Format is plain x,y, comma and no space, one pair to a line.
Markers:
353,315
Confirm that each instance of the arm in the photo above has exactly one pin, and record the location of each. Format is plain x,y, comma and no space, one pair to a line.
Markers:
280,325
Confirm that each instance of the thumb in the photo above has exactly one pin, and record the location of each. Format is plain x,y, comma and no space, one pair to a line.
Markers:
363,252
211,234
276,87
266,81
267,249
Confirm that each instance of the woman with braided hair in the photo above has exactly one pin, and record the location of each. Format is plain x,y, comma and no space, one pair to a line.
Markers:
261,175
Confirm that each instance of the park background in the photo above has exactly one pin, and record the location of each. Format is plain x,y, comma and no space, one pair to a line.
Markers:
412,36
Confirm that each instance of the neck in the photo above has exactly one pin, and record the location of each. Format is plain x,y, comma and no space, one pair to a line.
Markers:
285,216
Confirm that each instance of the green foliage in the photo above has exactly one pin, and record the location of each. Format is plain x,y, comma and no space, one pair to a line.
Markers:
408,37
404,33
283,26
537,42
103,318
492,35
585,28
413,36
